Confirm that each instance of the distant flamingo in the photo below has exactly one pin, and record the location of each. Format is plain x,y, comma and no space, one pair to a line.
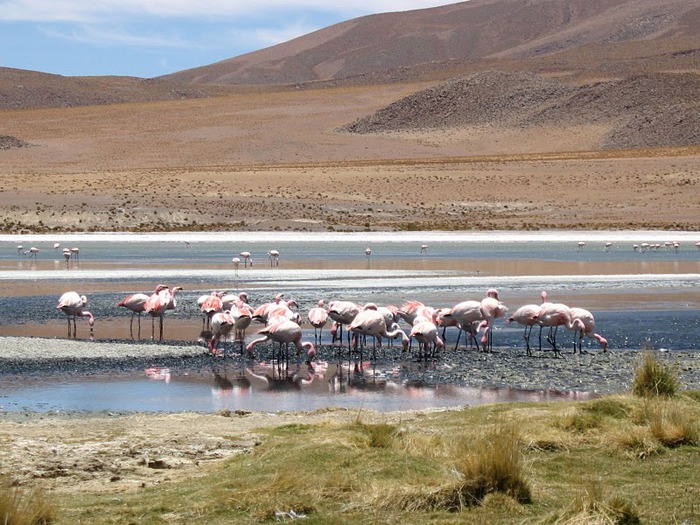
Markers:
20,249
581,245
236,263
318,317
424,248
66,256
284,333
608,245
32,252
274,256
246,258
137,304
72,304
156,306
56,245
76,253
585,324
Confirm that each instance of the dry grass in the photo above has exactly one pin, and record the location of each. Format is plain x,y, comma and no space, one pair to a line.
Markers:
24,507
589,508
653,379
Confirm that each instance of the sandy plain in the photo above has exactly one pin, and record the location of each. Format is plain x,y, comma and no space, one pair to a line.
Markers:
274,160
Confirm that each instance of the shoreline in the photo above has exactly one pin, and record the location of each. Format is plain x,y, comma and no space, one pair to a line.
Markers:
595,371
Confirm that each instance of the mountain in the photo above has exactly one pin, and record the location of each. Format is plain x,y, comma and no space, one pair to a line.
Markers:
520,33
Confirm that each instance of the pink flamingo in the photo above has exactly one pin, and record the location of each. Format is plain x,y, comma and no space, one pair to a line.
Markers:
318,317
342,313
246,258
136,303
491,309
371,322
210,305
555,315
585,324
274,256
156,306
236,263
525,316
284,332
232,300
466,314
221,325
72,304
426,333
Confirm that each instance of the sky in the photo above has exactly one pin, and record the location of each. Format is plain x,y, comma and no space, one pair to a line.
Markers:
149,38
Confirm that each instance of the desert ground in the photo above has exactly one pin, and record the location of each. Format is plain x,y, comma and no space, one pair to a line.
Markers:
265,159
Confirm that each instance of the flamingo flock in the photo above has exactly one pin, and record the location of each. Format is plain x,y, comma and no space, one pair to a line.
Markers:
226,313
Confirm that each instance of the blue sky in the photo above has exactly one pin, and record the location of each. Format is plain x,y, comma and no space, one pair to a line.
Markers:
148,38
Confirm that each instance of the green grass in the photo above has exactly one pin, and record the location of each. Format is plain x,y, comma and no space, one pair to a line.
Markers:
499,464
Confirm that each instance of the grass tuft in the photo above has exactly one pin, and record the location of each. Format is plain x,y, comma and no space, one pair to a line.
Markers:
671,424
493,464
589,508
608,407
377,435
580,422
21,507
653,379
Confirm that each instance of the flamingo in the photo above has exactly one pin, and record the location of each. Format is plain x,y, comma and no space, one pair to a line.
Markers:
242,317
136,303
371,322
465,314
76,253
585,324
20,249
72,304
284,332
274,256
173,297
368,252
555,315
66,256
424,248
581,245
426,333
343,313
491,309
56,245
221,325
32,252
318,317
246,258
210,305
230,300
525,315
236,263
156,306
608,245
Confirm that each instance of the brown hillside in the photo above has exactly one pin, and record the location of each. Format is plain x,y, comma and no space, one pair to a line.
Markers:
475,30
20,89
641,111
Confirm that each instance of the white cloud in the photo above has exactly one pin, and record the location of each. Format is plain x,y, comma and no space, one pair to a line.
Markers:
88,34
106,10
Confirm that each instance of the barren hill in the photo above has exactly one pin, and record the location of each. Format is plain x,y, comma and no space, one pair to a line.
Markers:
650,110
584,32
21,89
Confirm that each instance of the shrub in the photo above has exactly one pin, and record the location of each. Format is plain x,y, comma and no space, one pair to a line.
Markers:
653,379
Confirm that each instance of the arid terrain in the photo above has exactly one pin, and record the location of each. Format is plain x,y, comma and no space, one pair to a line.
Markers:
587,117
